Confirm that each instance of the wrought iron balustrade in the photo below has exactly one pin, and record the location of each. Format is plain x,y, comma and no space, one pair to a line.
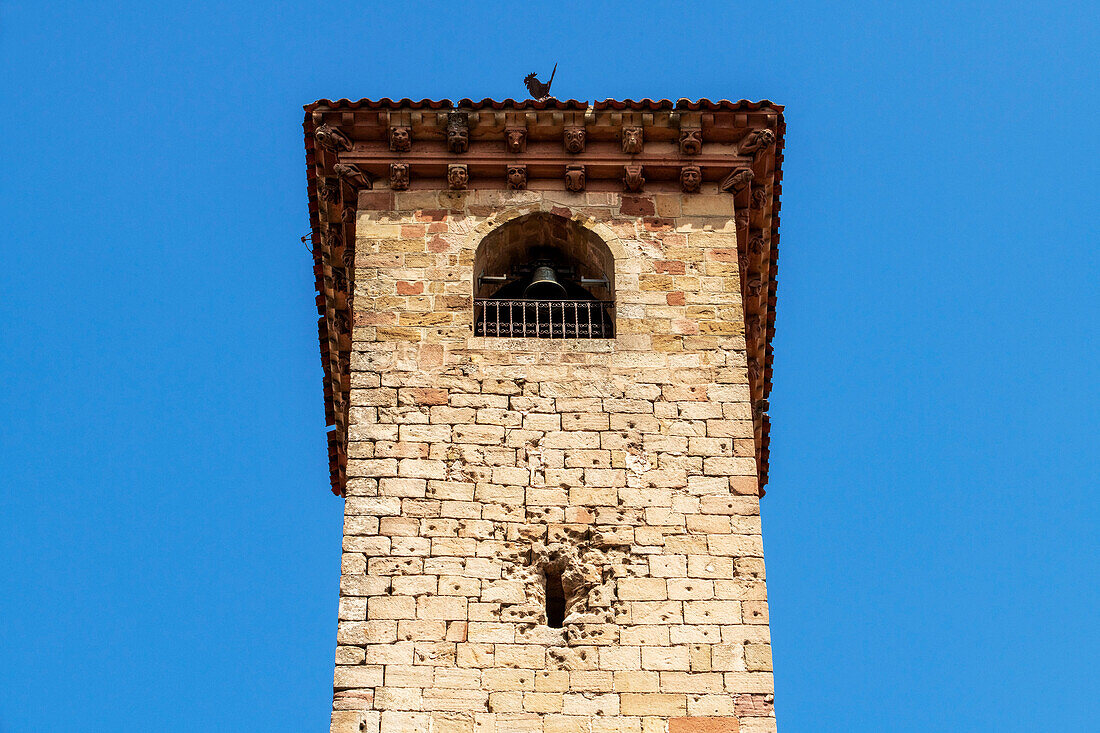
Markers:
548,319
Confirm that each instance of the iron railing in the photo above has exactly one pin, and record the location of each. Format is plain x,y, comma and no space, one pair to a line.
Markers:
548,319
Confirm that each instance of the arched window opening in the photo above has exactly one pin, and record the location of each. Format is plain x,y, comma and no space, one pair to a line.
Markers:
544,276
555,599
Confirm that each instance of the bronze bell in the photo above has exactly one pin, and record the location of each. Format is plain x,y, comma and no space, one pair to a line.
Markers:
544,285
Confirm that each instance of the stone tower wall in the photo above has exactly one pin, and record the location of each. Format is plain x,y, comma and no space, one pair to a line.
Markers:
476,463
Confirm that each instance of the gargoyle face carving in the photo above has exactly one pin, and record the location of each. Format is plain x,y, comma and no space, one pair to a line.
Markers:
331,138
400,139
517,141
458,139
691,177
457,177
756,141
399,176
632,140
517,177
632,178
691,142
458,132
737,181
574,139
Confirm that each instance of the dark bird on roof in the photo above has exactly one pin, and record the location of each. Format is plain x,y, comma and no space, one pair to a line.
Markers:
539,90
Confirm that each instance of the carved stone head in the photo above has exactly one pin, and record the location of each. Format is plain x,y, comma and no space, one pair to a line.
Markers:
517,177
754,370
327,190
756,141
574,178
691,178
458,132
632,140
399,176
352,174
691,141
574,139
756,244
632,178
516,139
759,197
400,139
331,138
737,181
457,177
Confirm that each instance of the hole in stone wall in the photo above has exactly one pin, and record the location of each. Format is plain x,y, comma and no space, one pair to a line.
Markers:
555,599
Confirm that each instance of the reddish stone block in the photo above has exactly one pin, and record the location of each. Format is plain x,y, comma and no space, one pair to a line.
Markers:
677,298
658,225
722,254
671,267
376,200
410,288
431,215
638,206
425,395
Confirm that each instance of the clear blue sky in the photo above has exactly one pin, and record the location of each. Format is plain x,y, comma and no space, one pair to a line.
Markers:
169,548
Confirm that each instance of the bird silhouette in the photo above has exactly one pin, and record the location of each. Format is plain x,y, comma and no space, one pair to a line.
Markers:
537,88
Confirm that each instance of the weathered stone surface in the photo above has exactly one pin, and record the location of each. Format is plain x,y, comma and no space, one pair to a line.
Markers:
485,471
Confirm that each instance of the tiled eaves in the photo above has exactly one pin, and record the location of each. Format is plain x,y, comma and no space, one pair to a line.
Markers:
569,104
335,345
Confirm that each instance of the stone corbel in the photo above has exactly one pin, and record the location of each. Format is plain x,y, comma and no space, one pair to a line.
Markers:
632,140
458,132
399,176
574,139
400,139
691,141
691,178
517,177
737,181
516,138
574,178
458,177
632,178
351,174
756,142
330,138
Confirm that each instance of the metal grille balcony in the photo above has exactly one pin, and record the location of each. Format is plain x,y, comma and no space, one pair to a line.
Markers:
547,319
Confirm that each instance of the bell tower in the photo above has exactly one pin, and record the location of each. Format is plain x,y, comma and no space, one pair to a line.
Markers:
545,330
